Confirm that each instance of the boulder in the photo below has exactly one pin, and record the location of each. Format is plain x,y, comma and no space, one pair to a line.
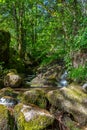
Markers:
47,76
35,96
71,99
4,46
29,117
12,79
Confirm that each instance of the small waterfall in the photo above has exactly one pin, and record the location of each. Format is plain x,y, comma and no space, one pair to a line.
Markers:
8,101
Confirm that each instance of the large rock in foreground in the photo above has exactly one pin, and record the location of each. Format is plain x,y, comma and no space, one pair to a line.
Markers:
32,118
72,100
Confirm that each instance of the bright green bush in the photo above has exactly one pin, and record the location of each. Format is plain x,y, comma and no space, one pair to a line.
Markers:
79,74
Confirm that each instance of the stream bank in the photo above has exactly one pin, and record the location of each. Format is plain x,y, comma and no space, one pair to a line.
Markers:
41,102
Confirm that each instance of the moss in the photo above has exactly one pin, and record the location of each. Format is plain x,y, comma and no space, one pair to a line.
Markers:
53,97
37,122
74,93
11,120
34,96
71,99
3,118
72,126
8,92
3,112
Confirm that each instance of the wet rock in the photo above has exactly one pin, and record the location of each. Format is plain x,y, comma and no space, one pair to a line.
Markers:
12,79
70,99
35,96
32,118
8,101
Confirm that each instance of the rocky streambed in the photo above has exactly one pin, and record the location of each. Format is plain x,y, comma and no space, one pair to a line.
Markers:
43,108
46,101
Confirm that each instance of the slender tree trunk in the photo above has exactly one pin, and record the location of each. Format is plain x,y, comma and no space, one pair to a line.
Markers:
18,17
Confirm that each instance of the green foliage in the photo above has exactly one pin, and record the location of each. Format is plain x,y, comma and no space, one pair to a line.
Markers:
46,30
3,70
79,74
15,62
71,125
81,39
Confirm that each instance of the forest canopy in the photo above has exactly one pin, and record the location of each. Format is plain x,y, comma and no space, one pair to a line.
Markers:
46,30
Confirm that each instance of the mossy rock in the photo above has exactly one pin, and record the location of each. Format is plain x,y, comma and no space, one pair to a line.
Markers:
12,79
3,118
8,92
70,99
47,76
32,118
35,96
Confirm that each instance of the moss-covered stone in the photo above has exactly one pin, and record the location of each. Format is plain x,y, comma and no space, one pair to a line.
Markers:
72,100
47,76
35,96
3,118
12,79
32,118
8,92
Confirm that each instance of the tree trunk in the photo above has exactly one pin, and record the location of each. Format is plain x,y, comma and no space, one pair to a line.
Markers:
18,17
